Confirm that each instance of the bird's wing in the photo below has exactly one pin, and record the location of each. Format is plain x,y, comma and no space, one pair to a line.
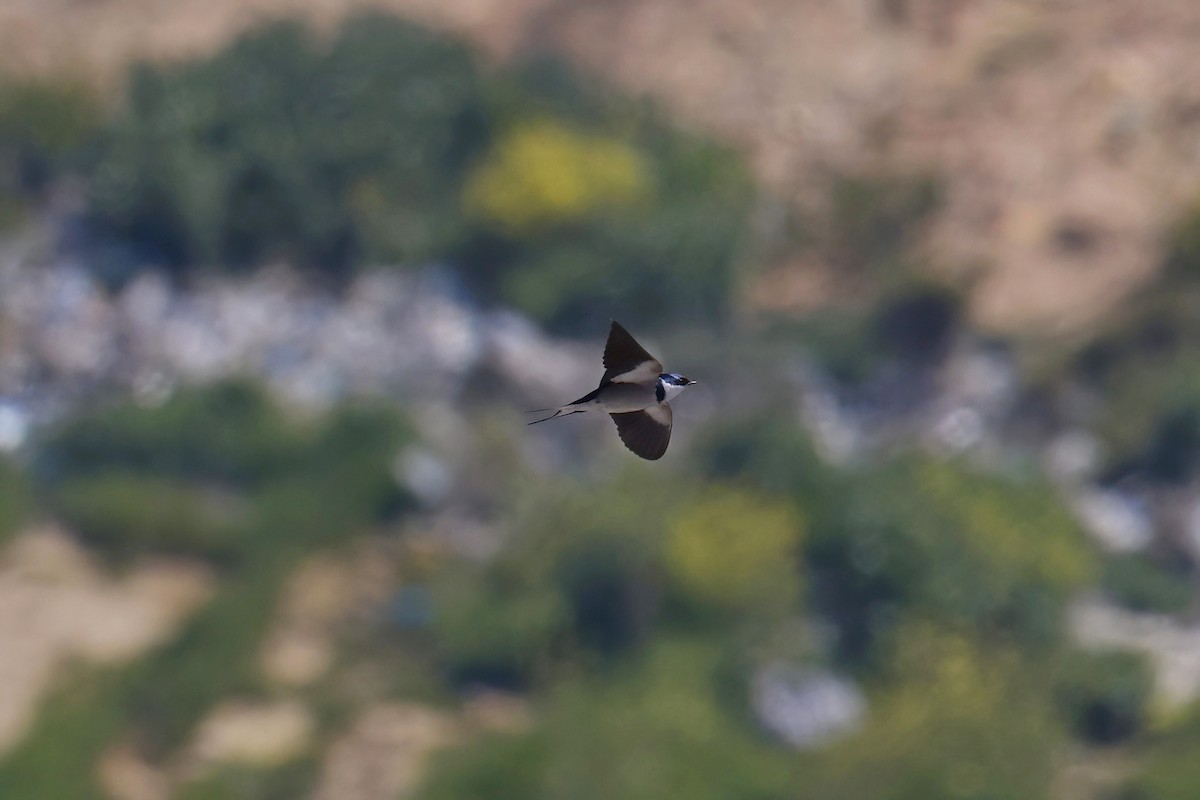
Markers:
626,361
646,433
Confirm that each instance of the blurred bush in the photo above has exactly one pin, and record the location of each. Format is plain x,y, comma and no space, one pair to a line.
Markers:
44,126
1168,768
961,718
386,143
17,499
737,550
291,780
282,146
1141,368
990,553
494,767
653,729
916,535
496,634
580,577
220,472
228,434
1104,696
543,175
127,514
670,252
1148,583
1183,245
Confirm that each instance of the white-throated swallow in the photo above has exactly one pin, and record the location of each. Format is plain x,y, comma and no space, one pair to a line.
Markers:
635,392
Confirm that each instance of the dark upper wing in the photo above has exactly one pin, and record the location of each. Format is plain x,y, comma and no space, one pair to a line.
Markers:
626,361
646,433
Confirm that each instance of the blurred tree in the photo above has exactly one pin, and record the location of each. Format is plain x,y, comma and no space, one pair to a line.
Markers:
282,147
1148,583
383,144
44,126
1168,768
1105,696
737,550
652,730
17,501
1183,245
964,548
957,720
495,767
580,577
669,252
126,514
228,433
542,175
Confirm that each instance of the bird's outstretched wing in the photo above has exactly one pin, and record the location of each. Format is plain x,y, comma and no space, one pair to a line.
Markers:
646,433
626,361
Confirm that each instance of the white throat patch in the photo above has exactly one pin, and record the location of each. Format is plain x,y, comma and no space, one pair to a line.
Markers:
670,390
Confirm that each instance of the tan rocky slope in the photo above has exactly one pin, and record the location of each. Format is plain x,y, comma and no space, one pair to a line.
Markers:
1068,131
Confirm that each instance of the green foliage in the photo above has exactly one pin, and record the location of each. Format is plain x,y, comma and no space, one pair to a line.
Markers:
285,782
219,471
498,634
1168,769
43,127
69,732
982,550
541,175
1183,245
1104,695
497,767
737,550
581,576
386,143
1146,584
960,720
675,258
126,514
283,146
138,480
163,696
770,452
16,499
1144,369
654,729
228,433
962,548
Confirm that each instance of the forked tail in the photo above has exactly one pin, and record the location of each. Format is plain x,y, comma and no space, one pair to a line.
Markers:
565,411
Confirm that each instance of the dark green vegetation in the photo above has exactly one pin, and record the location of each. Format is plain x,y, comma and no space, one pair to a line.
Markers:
44,129
388,144
633,611
218,473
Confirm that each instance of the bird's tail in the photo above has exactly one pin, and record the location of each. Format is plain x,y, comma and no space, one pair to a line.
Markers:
565,411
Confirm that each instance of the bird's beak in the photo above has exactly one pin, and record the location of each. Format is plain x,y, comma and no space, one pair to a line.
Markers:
690,382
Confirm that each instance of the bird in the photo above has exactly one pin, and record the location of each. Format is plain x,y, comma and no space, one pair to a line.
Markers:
635,392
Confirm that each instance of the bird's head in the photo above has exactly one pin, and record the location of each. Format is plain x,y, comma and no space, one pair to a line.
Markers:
673,383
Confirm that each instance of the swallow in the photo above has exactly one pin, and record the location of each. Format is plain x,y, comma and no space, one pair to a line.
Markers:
635,392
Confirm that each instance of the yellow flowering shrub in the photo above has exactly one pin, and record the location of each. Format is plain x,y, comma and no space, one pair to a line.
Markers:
737,549
542,173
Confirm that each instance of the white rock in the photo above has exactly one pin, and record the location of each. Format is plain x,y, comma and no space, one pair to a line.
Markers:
806,708
1113,519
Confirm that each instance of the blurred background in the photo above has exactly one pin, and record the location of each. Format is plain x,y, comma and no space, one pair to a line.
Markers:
278,281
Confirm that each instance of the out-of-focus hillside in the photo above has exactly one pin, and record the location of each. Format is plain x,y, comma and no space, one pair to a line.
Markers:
272,525
1065,133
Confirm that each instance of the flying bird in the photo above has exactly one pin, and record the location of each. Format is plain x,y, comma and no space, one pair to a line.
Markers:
635,392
